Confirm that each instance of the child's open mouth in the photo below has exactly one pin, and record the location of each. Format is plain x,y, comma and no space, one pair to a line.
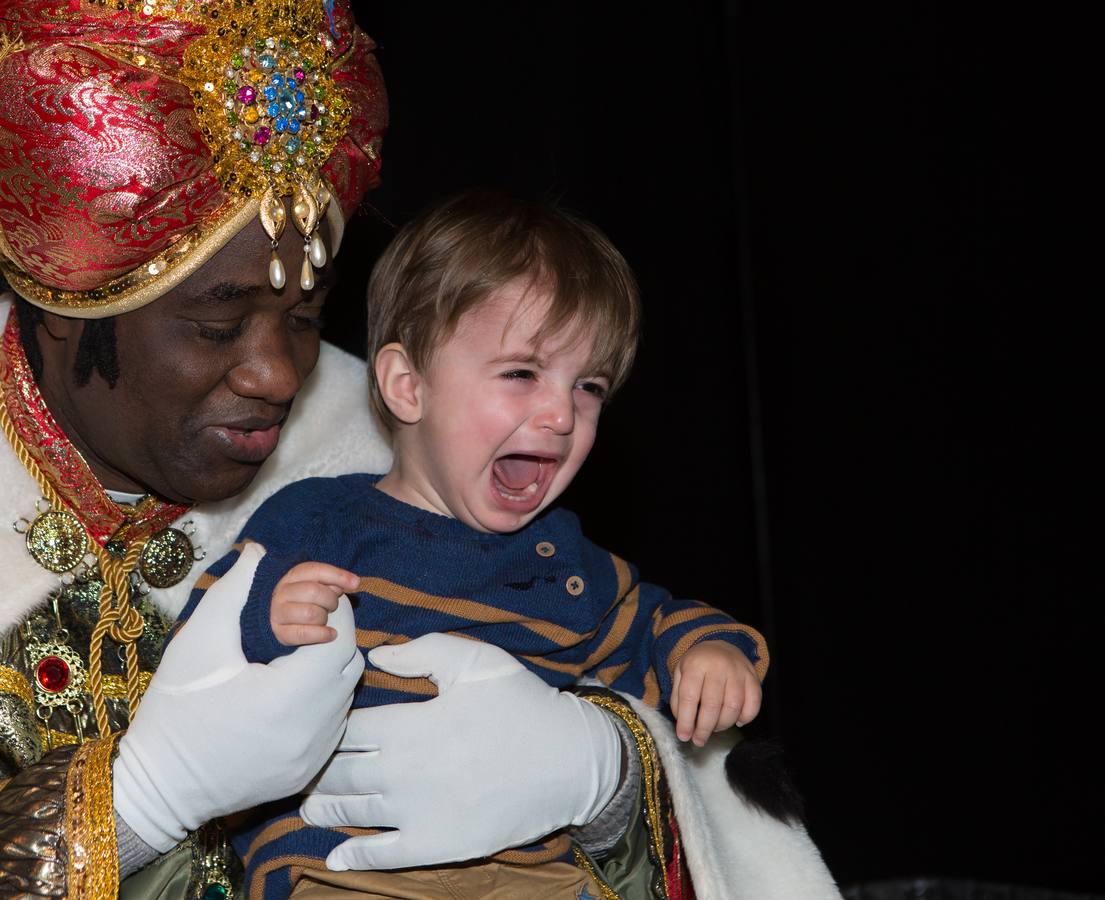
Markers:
520,479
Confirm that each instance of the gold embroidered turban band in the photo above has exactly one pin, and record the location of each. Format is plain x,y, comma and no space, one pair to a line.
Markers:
137,138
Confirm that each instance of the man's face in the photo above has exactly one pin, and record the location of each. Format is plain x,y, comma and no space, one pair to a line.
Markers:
207,374
505,422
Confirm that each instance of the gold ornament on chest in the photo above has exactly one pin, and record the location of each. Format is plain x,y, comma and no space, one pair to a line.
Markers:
58,542
119,572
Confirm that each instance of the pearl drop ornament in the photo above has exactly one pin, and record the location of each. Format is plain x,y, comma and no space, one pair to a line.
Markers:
307,275
317,252
277,276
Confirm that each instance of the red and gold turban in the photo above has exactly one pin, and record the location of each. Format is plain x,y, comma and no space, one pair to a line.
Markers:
137,138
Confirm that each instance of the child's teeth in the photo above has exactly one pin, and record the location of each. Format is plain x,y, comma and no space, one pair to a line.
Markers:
532,488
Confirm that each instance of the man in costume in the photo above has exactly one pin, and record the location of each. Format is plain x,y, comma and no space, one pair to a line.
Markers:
151,155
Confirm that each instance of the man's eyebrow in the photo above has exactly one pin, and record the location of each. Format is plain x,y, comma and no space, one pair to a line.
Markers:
225,292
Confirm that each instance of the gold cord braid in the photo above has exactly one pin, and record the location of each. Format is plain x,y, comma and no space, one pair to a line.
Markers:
117,617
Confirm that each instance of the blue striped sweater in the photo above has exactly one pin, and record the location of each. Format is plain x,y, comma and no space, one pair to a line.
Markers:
564,607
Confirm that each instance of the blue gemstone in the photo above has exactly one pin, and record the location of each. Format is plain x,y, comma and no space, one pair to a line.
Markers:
293,126
301,114
268,61
299,96
281,124
292,145
269,92
278,80
274,109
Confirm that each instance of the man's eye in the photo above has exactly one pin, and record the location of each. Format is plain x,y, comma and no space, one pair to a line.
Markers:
304,322
221,335
519,374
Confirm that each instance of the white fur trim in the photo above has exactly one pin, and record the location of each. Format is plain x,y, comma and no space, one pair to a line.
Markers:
733,852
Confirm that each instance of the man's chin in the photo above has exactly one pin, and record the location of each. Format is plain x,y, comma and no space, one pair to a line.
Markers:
218,483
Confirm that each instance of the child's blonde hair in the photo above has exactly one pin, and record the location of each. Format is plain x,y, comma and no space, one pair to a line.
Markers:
456,255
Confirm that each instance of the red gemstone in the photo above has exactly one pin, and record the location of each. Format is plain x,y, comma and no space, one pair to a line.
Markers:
53,674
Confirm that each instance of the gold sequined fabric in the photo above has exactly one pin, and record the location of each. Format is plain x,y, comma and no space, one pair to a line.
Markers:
78,609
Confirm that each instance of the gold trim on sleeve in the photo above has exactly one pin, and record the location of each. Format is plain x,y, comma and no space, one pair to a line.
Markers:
581,860
90,822
650,766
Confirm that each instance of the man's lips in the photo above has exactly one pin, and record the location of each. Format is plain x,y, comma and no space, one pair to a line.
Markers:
250,441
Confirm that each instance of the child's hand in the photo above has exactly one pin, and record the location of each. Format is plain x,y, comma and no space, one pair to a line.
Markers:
714,686
302,600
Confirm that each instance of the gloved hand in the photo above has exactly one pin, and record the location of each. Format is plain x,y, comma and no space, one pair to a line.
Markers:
496,760
215,734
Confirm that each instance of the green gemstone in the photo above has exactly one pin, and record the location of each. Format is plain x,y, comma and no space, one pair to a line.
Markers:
230,87
237,62
232,118
320,93
259,44
215,892
284,44
311,148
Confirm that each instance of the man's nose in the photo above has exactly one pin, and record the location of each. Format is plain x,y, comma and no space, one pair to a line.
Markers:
269,370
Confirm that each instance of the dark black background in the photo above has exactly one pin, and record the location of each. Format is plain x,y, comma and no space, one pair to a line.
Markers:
844,425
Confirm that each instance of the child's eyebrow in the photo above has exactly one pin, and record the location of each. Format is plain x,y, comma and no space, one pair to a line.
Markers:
531,357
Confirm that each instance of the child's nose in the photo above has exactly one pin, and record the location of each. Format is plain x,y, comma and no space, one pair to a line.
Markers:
557,413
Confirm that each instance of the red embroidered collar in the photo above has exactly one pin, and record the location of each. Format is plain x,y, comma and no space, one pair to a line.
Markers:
55,456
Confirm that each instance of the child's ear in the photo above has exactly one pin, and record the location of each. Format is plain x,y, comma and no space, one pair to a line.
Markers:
400,384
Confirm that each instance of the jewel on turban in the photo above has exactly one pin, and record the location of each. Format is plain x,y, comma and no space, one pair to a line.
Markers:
137,138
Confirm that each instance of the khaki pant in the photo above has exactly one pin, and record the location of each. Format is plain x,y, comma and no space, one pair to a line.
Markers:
475,881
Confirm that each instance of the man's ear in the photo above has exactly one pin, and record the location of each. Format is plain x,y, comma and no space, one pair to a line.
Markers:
400,384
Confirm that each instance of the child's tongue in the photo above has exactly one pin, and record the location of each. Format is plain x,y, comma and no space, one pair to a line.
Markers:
517,472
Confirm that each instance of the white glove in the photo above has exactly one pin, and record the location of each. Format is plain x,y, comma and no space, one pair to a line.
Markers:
498,759
216,734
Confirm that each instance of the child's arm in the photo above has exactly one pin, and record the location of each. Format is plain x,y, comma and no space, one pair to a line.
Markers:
302,600
714,686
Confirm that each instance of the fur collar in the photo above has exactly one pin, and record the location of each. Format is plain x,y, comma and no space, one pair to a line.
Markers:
733,852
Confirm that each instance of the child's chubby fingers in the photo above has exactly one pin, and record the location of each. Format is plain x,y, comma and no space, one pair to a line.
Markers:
753,698
306,593
732,704
296,624
291,635
341,580
710,706
728,691
296,613
303,599
686,691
